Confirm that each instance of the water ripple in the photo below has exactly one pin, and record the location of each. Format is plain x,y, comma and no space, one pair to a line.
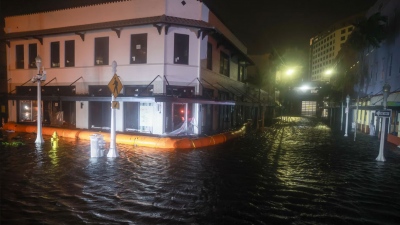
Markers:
299,172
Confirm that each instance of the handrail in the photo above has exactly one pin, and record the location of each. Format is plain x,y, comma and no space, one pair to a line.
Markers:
55,78
21,85
149,84
76,81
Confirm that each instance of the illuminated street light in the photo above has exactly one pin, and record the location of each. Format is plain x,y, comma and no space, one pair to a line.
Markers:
38,78
328,72
289,71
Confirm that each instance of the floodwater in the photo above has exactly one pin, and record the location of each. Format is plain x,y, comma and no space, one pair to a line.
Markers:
299,172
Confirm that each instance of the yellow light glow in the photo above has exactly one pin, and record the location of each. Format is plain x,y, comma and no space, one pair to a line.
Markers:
329,72
290,71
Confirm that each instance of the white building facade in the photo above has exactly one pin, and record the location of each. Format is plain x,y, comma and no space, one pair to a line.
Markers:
180,67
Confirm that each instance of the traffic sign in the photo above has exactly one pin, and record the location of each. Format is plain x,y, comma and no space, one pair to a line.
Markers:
383,113
115,85
115,105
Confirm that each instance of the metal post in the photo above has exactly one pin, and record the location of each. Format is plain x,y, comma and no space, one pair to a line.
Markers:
112,152
381,157
38,78
39,136
347,115
341,118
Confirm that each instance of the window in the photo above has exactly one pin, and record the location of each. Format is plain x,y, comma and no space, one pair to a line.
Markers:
181,49
101,51
241,71
138,48
69,53
28,111
224,64
343,31
19,56
32,55
209,56
55,54
349,29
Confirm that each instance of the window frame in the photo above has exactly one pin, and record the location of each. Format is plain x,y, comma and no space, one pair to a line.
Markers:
69,53
32,52
101,51
224,68
19,57
138,55
209,56
181,49
55,54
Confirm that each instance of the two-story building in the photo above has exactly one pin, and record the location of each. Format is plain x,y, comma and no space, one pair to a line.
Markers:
179,65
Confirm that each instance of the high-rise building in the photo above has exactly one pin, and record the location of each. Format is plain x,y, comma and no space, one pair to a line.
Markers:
325,46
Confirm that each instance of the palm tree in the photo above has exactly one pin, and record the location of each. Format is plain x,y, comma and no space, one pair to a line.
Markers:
368,33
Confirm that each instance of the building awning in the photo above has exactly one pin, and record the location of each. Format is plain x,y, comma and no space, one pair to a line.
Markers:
133,99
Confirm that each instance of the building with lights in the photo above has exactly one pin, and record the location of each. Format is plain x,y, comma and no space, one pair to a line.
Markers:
325,46
180,67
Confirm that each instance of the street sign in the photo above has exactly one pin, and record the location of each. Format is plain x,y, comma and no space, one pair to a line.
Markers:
115,85
383,113
115,105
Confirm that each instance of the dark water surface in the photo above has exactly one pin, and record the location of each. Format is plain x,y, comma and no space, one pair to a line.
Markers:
295,173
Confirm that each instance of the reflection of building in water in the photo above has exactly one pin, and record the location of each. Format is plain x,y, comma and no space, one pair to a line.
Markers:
176,62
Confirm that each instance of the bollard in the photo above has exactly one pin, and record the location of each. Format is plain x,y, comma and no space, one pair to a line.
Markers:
372,130
54,140
97,145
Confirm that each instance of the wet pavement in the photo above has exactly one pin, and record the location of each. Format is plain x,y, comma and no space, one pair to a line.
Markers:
295,172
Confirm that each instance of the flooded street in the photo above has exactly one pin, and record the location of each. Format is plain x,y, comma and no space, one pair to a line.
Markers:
299,172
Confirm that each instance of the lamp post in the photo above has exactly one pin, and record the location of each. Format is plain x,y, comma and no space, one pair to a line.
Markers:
381,157
38,78
341,117
112,152
347,115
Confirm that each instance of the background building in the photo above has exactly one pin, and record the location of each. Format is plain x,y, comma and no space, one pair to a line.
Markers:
325,46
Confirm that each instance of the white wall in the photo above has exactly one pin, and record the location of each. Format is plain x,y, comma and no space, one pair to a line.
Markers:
82,115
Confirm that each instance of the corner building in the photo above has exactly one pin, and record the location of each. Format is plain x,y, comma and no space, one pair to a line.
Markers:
180,66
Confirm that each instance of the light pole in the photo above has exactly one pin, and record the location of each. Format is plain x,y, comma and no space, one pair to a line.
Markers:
347,115
38,78
112,152
381,157
341,117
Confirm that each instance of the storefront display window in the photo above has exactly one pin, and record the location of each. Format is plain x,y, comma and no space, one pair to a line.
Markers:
28,111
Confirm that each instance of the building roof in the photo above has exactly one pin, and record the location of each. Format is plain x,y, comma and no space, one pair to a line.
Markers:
163,19
157,21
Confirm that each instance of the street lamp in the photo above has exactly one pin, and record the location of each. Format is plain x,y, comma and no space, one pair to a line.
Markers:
38,78
289,71
347,115
328,72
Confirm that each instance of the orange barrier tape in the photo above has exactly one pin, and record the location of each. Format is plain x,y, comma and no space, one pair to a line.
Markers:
134,139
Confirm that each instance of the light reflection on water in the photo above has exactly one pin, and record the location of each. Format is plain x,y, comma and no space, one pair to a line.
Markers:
300,172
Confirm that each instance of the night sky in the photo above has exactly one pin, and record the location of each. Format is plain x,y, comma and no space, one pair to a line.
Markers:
263,25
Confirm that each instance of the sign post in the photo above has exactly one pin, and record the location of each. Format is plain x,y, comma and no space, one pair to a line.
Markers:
384,114
115,87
